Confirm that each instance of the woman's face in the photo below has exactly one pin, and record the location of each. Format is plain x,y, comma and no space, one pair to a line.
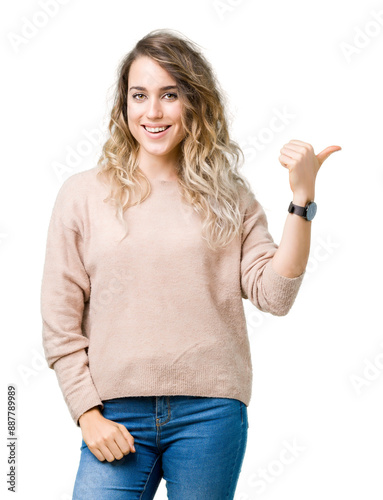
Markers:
153,103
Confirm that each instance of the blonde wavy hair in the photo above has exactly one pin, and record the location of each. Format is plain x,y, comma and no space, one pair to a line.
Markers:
209,162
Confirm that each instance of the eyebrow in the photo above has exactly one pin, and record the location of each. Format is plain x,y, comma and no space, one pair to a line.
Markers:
168,87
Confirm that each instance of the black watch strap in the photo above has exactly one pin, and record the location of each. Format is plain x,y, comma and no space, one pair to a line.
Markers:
295,209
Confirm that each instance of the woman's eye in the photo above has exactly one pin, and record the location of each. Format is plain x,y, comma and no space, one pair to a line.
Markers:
135,96
171,95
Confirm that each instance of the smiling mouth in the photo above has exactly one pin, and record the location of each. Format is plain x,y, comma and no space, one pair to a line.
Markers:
156,130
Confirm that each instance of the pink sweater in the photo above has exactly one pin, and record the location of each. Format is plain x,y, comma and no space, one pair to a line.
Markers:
159,313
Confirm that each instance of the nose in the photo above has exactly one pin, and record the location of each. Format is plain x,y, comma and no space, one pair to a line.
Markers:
154,109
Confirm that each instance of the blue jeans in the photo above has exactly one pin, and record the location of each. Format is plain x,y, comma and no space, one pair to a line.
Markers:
197,444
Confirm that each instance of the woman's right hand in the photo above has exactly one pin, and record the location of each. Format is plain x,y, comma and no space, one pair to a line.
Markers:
106,439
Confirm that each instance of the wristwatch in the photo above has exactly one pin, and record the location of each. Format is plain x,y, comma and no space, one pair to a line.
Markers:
307,212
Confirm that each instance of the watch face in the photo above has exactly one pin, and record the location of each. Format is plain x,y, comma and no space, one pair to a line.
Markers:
311,210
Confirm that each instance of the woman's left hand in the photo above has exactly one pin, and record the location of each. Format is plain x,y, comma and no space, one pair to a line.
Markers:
303,165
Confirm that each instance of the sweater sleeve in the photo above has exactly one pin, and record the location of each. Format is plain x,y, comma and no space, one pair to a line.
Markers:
64,291
264,287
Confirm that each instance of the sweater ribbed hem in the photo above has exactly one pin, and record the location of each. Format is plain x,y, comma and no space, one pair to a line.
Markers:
181,380
86,404
282,291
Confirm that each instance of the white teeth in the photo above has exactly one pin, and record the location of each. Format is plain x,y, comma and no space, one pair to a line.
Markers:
157,129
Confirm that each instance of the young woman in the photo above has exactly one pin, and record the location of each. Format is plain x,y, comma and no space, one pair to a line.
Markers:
149,255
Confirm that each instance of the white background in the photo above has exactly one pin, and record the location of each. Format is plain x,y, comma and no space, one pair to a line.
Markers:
319,64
